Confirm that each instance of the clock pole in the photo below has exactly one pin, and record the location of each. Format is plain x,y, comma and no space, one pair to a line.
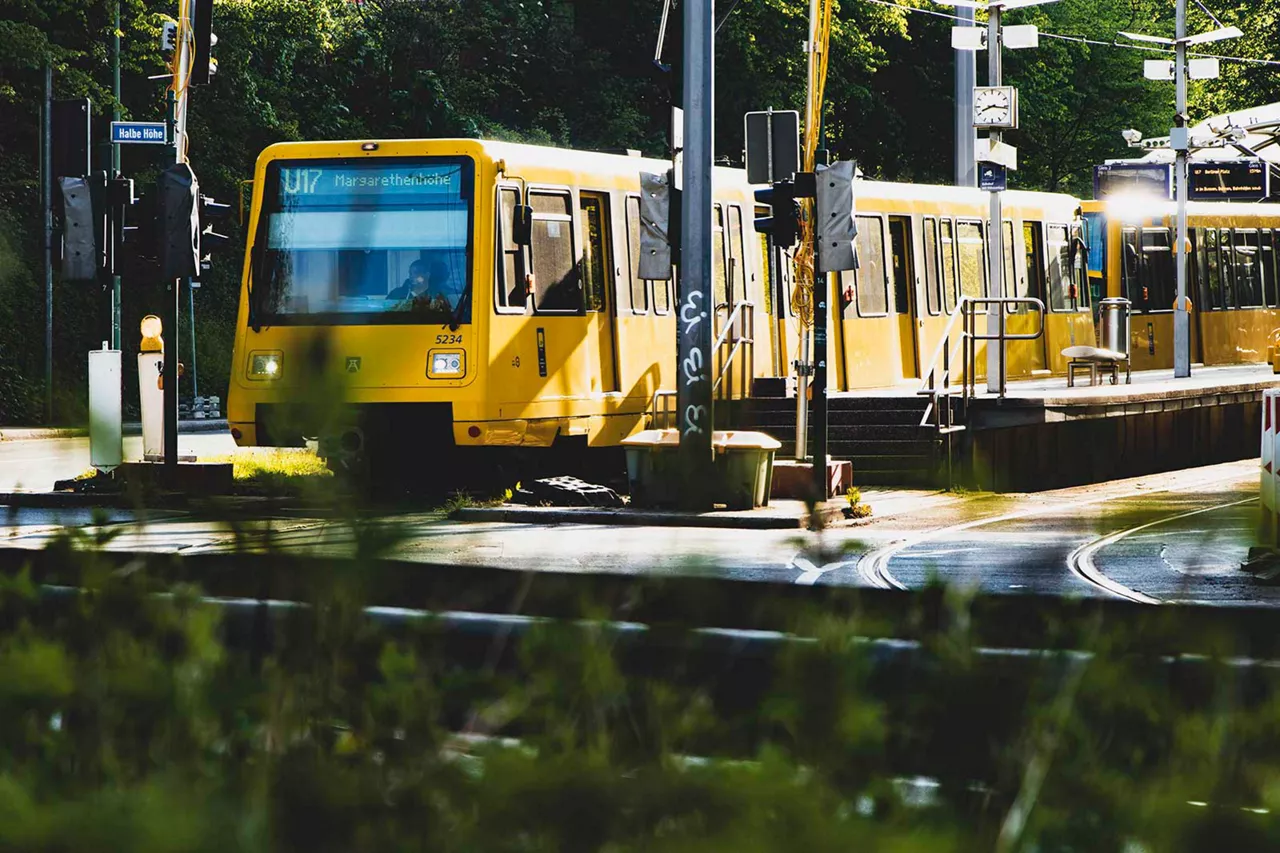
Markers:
994,231
1181,318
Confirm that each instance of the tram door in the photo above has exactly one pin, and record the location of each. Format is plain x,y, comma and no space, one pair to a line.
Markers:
599,290
904,293
1027,281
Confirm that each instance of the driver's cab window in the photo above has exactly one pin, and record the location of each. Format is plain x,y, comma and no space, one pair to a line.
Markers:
512,290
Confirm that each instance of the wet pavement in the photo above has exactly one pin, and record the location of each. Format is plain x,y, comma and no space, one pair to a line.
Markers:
34,466
1170,537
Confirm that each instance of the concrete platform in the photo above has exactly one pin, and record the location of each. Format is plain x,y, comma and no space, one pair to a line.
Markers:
1049,400
1045,435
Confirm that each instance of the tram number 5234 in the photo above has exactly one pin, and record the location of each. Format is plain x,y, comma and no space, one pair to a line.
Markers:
448,339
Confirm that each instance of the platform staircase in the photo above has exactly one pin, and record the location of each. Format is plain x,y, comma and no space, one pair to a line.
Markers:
880,435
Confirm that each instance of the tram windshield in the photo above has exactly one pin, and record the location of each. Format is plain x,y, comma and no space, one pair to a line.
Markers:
366,241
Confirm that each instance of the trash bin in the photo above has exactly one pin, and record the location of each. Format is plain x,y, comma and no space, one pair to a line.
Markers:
744,467
1113,322
653,467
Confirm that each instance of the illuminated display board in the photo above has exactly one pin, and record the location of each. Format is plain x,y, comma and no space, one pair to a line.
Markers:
1152,179
1228,180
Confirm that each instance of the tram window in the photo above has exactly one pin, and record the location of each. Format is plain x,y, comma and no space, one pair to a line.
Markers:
662,297
1157,273
767,289
1064,293
949,289
511,289
596,265
1267,265
1130,287
737,260
971,249
1213,276
639,287
1010,283
719,261
555,275
1248,275
1226,269
932,295
872,284
1033,254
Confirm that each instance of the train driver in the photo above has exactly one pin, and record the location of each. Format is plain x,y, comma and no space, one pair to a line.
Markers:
426,284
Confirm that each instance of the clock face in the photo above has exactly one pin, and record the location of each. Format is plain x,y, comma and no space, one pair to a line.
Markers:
995,106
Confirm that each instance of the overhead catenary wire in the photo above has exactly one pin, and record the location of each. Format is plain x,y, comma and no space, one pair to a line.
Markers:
1246,60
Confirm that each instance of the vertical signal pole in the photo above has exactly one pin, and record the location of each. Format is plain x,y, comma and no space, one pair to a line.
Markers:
966,79
177,121
1181,318
46,175
821,281
995,263
115,170
694,319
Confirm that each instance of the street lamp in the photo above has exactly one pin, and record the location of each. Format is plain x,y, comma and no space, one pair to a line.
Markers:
1180,142
995,107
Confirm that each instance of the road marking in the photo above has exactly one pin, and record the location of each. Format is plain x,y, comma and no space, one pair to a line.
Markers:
809,573
874,566
1082,563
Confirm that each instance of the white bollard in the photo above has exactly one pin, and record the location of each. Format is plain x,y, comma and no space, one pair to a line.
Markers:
150,388
106,443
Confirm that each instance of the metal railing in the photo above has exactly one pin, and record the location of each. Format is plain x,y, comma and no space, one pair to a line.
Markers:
736,335
938,381
735,342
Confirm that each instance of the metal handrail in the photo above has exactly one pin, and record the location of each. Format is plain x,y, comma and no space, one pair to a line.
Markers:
1002,335
738,331
663,416
937,378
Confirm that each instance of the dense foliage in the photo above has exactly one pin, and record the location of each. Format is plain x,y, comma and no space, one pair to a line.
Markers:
141,717
566,72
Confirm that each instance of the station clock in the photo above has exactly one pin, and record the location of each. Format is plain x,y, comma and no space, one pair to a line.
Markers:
995,106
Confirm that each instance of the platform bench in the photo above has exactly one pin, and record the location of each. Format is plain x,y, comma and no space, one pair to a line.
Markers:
1097,361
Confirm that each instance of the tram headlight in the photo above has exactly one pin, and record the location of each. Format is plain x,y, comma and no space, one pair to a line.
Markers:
445,364
265,365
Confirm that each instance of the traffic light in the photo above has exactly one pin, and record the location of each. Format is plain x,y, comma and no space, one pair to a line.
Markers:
202,63
836,225
82,227
211,212
178,222
783,223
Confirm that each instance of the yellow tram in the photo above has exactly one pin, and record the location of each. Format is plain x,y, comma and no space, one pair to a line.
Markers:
470,293
1231,281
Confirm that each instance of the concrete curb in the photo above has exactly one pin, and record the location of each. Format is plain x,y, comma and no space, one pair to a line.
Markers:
634,518
49,433
40,433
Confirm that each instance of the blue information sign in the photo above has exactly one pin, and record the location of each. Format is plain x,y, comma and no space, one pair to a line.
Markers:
139,132
992,177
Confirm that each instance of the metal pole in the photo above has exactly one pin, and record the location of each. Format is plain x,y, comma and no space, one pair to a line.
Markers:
177,121
191,312
966,79
1181,318
171,346
803,366
694,403
115,170
46,174
995,260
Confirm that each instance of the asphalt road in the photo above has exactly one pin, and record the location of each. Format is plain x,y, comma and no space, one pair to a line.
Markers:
34,466
1170,537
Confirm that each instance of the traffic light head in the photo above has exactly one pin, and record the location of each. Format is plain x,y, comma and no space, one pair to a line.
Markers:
783,223
211,212
178,222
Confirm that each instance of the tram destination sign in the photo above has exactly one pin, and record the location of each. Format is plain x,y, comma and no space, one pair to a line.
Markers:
139,132
1246,179
1147,179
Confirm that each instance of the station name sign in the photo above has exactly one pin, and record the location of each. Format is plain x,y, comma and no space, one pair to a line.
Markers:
1246,179
1153,180
139,132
